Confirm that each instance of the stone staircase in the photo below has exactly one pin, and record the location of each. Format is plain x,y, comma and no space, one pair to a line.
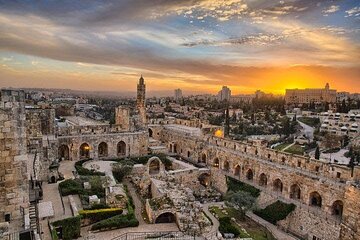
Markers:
33,217
156,146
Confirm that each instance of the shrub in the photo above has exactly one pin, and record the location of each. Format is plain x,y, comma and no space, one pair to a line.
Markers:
84,171
226,226
276,211
120,171
99,214
70,227
236,185
119,221
70,187
98,206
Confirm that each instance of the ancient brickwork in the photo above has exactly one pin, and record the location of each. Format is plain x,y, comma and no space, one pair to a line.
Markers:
14,185
350,227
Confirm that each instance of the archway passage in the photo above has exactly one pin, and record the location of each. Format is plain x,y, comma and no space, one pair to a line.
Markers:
278,185
337,208
103,149
150,132
121,149
315,199
205,179
216,163
167,217
64,152
263,179
188,154
249,175
154,167
226,166
295,192
84,151
237,170
175,148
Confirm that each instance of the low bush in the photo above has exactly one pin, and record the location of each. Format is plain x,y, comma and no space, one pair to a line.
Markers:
118,221
226,226
99,214
84,171
121,171
236,185
70,227
70,187
276,211
99,206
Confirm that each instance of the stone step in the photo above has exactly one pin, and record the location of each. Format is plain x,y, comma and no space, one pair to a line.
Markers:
14,236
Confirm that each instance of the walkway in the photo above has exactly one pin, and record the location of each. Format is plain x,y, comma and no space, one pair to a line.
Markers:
288,146
276,232
137,202
307,130
215,221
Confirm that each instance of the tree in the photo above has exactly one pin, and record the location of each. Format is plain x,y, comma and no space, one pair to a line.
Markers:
317,153
241,200
331,141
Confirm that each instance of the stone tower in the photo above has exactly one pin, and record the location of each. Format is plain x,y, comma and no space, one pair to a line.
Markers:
14,187
122,117
140,100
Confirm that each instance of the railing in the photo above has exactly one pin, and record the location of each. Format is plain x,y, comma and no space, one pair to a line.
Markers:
154,235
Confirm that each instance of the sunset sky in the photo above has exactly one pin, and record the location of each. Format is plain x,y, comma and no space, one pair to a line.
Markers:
195,45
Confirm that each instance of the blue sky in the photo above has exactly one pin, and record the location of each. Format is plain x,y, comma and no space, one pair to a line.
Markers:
198,45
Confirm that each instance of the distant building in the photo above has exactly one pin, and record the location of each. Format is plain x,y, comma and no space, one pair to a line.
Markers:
224,94
178,94
308,95
341,96
247,98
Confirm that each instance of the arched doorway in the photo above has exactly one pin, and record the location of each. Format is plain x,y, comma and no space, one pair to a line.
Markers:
121,149
188,154
154,166
204,179
216,163
167,217
249,175
171,147
337,208
64,152
226,166
315,199
150,132
237,170
278,185
263,179
175,148
295,192
84,151
103,149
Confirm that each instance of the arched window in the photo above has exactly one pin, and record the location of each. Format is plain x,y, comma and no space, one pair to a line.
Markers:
278,185
154,166
216,163
103,149
337,208
237,170
150,132
84,151
295,191
315,199
249,174
226,166
202,158
204,179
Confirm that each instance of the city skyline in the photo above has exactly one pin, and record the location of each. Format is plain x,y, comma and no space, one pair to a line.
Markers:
245,45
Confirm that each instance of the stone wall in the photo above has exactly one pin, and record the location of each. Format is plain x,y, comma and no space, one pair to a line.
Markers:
14,187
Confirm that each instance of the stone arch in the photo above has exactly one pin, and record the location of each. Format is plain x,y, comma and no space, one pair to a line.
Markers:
204,179
121,149
263,179
150,132
103,149
278,185
154,166
226,166
64,152
337,208
188,154
295,191
315,199
250,174
283,159
216,163
171,147
84,151
166,217
202,158
237,170
175,148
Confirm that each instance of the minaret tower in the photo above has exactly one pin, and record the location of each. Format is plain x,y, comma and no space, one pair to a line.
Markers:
140,101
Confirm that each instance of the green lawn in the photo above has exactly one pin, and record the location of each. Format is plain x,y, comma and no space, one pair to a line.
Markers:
247,227
295,149
312,122
281,146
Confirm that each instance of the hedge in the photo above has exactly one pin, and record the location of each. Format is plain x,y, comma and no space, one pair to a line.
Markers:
84,171
70,227
70,187
276,211
118,221
227,227
100,214
236,185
